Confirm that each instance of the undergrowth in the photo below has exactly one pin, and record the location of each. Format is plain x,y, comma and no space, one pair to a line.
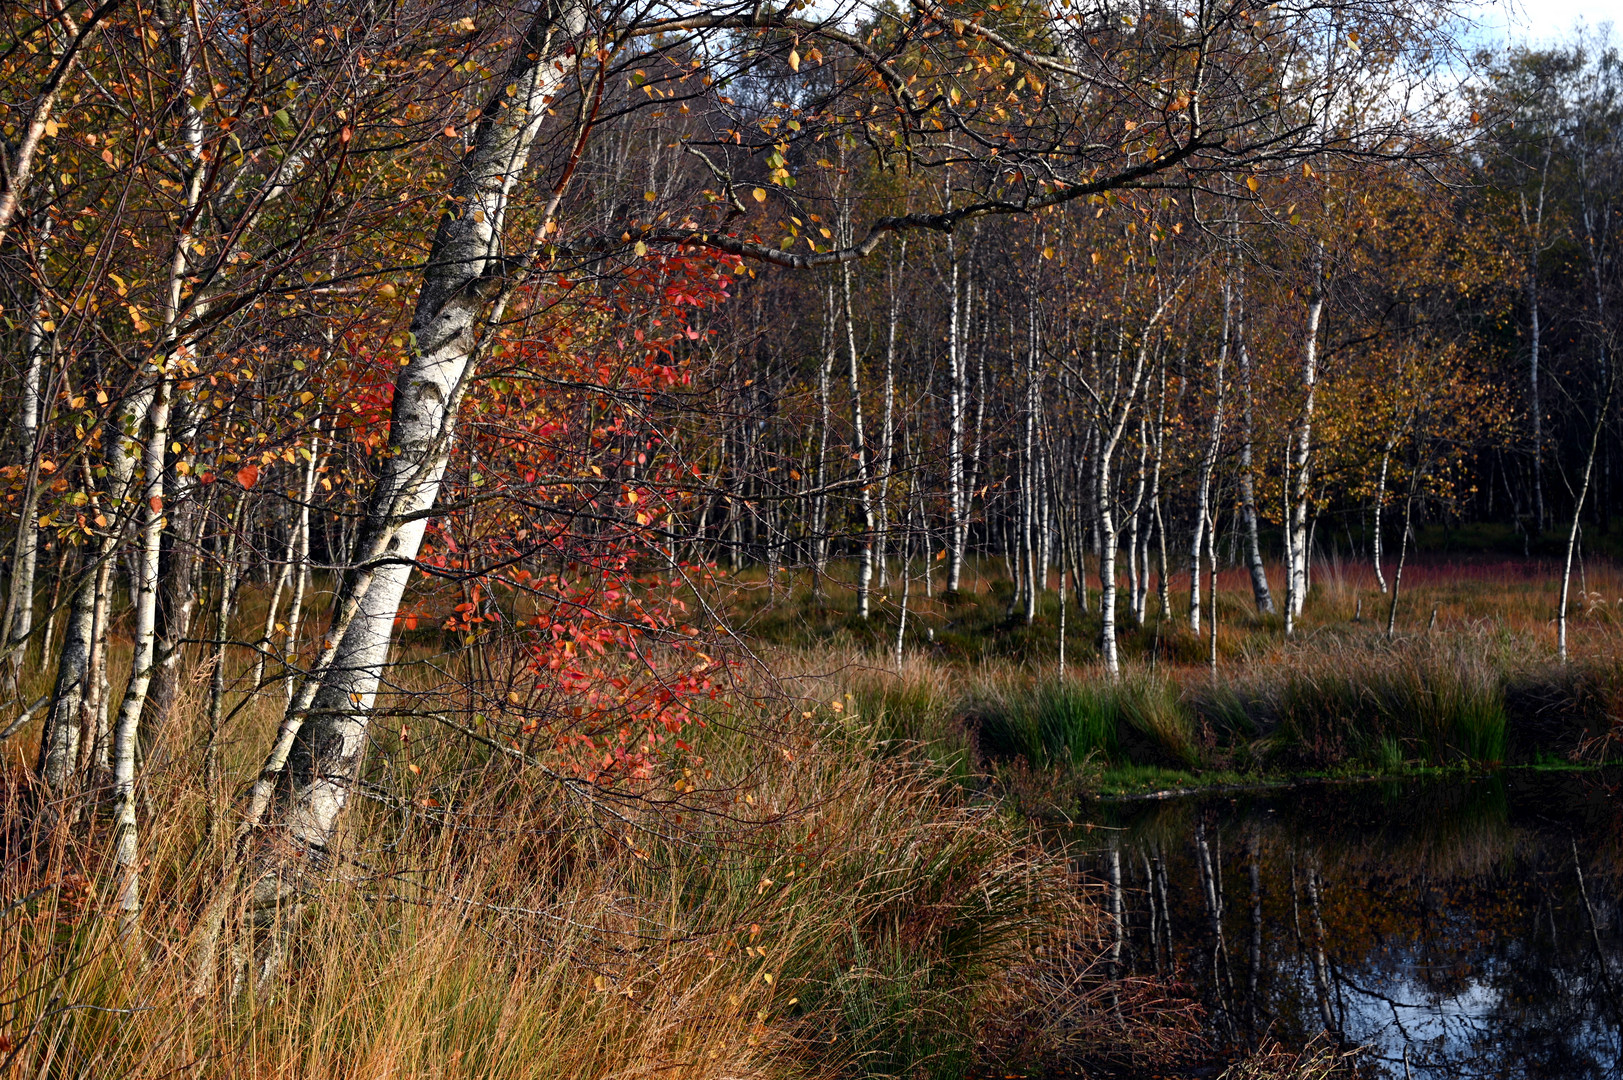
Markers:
779,900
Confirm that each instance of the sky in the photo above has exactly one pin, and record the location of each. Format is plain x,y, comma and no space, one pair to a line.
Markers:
1544,22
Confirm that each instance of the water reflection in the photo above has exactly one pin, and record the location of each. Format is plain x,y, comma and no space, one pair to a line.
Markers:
1461,928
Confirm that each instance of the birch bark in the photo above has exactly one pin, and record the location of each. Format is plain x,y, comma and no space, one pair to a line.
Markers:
887,435
18,621
865,569
464,271
1302,442
1208,463
60,741
1260,593
126,858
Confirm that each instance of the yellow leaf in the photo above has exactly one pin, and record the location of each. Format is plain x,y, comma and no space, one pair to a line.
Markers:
640,248
794,60
1251,182
760,195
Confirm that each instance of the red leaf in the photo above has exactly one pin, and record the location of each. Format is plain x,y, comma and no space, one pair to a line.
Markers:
248,475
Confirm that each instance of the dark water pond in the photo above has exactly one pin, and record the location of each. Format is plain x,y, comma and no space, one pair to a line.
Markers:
1458,928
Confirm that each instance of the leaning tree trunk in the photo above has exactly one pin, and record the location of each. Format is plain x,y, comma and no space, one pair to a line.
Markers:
325,730
1378,552
1577,515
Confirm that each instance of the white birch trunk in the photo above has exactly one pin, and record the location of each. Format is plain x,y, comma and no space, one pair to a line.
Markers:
283,575
1208,463
325,732
887,435
1577,517
1260,593
820,514
1380,508
73,693
1533,222
865,568
19,613
301,556
1104,510
957,386
126,855
1302,443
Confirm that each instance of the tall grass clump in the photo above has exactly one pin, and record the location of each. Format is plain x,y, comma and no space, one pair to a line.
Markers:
1065,722
1570,712
1433,707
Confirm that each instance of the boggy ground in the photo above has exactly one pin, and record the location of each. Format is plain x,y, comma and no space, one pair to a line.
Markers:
839,876
791,896
1469,679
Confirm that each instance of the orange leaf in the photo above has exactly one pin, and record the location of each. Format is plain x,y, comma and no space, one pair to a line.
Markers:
248,475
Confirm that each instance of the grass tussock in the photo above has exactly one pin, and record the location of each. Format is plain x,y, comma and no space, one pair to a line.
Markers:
1426,706
1066,722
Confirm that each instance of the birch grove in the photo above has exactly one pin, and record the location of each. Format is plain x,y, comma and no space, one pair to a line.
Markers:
373,370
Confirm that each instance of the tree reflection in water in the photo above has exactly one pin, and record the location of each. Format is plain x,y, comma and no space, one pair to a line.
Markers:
1458,928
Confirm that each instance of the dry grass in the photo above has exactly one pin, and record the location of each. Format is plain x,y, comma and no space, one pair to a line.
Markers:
776,902
1475,684
805,893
